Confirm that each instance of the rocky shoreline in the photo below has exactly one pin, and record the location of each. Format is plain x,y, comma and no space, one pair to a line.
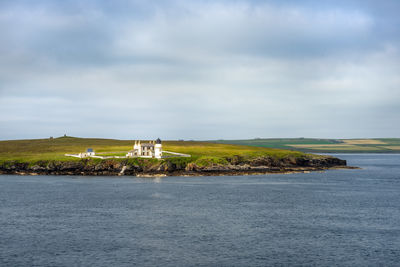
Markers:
235,166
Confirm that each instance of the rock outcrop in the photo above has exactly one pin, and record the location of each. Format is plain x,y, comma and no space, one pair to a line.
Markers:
235,166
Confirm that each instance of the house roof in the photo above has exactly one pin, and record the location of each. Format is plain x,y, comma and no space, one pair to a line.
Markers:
89,150
147,145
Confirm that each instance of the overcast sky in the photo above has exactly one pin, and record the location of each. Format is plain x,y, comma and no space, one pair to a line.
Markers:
199,69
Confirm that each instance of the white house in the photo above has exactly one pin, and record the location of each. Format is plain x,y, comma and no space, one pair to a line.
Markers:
152,149
89,152
146,150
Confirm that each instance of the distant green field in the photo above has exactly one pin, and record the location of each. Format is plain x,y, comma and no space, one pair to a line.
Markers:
54,149
384,145
278,143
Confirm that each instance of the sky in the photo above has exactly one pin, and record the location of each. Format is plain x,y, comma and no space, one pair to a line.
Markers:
199,69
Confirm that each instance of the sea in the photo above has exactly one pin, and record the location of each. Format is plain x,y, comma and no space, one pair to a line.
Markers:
332,218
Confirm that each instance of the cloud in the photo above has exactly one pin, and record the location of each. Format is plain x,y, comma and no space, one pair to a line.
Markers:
198,69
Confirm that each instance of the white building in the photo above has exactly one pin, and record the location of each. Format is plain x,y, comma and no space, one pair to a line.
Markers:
146,150
89,152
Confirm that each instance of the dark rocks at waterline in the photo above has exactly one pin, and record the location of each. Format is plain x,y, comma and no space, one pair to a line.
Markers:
236,166
297,162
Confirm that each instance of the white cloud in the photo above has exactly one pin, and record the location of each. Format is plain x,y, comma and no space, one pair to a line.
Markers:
196,70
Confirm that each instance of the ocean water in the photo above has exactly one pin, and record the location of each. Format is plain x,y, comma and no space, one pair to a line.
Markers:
337,217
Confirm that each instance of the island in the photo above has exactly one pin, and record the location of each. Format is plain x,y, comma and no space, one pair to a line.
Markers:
110,157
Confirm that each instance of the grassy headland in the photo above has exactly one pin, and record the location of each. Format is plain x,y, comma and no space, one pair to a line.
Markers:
54,149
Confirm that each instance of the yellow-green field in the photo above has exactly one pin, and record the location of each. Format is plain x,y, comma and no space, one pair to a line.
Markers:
336,147
375,145
353,145
54,149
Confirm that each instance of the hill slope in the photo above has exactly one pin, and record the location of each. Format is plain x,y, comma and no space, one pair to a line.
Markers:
54,149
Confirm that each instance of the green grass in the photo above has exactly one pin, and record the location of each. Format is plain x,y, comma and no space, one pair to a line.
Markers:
391,141
224,150
207,160
37,150
112,154
54,149
327,145
278,142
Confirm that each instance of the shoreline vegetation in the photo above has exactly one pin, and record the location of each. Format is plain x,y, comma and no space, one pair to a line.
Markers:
46,157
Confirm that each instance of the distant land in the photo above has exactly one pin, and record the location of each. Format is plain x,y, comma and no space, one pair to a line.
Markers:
47,157
314,145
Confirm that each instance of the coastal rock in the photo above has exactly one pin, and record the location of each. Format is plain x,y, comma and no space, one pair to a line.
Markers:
235,166
236,160
71,166
37,168
191,167
264,161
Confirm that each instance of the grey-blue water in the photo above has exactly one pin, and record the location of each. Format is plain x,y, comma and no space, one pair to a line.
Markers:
338,217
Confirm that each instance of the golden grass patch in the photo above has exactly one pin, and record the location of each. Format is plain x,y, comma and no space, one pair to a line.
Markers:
336,147
363,142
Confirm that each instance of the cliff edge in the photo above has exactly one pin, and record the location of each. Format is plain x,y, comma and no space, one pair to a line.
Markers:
173,167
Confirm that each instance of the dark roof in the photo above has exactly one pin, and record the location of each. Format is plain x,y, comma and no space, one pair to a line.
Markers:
89,150
158,141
